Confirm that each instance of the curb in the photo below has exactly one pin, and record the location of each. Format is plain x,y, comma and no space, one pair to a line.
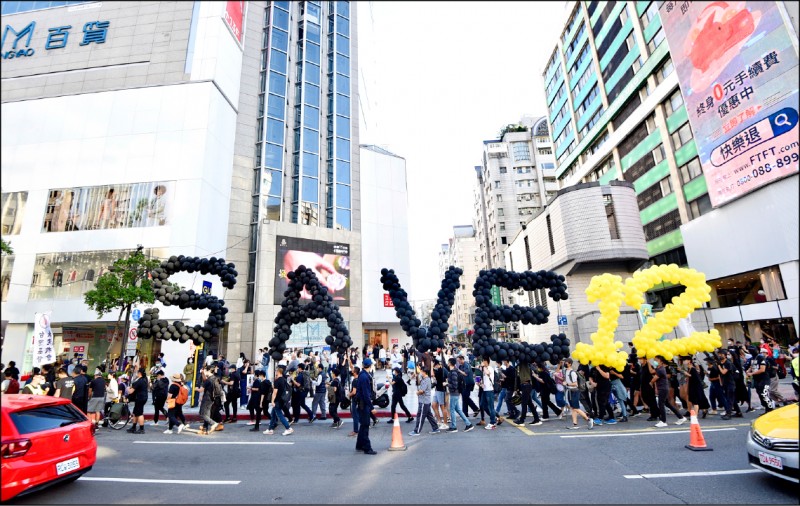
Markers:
195,417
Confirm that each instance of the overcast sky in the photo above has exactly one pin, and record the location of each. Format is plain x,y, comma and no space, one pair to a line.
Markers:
436,80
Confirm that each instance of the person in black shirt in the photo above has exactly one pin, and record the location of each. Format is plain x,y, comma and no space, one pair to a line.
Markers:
602,379
97,403
726,370
760,376
233,382
80,391
254,404
439,399
138,391
279,395
634,383
648,392
12,369
207,401
160,386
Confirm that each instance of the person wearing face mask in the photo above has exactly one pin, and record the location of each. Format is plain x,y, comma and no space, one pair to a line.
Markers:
646,387
659,371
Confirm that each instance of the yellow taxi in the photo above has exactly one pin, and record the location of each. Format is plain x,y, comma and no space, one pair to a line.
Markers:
772,444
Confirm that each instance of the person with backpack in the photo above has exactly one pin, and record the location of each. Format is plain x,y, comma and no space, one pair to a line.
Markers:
177,395
772,371
399,390
455,386
159,388
207,400
281,397
469,382
233,383
320,386
254,402
301,384
574,396
547,387
335,397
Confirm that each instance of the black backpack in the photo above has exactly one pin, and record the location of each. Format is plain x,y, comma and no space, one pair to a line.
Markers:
496,382
402,388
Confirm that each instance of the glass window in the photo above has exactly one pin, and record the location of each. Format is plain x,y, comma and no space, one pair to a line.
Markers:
342,147
280,18
342,8
312,95
280,40
277,84
343,126
277,61
521,151
342,105
276,106
666,186
273,205
682,135
342,172
342,196
312,52
342,26
272,182
343,64
312,73
311,117
343,219
40,419
674,102
664,70
313,32
310,189
700,206
690,170
273,156
503,170
342,84
274,131
656,41
310,164
342,45
310,141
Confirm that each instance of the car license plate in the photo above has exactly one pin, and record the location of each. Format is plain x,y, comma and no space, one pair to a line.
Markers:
770,460
67,466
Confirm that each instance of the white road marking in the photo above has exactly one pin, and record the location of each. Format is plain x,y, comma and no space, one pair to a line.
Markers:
685,475
213,442
649,433
168,482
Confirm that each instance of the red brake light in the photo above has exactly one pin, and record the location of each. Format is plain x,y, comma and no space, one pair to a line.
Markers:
16,448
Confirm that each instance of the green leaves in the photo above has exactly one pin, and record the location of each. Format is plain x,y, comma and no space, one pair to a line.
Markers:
6,247
125,284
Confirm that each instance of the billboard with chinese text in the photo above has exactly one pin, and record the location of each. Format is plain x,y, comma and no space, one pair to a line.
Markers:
738,73
330,261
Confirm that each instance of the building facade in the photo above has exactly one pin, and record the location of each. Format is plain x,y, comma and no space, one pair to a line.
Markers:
384,242
515,180
182,127
616,112
588,229
463,251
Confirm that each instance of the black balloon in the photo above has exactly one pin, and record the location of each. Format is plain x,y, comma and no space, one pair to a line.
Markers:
321,306
151,326
486,312
424,338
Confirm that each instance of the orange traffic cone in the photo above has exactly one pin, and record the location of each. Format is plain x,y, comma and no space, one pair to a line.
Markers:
697,442
397,437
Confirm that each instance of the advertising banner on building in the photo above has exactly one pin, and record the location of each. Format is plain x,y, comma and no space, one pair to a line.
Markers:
737,69
43,351
234,19
330,261
108,206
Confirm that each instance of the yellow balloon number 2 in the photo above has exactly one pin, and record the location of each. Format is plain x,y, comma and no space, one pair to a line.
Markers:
611,292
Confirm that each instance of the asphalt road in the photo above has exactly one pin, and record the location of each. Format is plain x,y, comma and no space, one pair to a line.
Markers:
545,464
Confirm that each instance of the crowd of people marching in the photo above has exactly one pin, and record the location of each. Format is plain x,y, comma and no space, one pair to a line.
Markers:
721,383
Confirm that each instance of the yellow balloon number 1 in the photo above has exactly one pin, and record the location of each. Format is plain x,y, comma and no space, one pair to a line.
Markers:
611,292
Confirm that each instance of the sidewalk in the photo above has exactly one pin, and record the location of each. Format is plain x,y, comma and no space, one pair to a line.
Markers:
192,414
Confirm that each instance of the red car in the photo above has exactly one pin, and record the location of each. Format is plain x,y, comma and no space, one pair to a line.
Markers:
46,440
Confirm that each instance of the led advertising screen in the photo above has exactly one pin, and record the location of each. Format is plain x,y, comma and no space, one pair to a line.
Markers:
330,261
738,73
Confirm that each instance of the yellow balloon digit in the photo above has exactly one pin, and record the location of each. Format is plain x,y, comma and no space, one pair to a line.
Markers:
609,290
646,339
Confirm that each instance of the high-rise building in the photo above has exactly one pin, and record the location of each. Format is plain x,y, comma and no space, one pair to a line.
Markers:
384,242
463,251
516,179
206,129
616,112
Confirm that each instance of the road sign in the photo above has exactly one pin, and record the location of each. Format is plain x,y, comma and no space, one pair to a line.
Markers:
496,300
131,342
562,320
207,287
136,314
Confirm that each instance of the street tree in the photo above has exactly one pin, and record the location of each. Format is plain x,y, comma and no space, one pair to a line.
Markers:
126,283
6,246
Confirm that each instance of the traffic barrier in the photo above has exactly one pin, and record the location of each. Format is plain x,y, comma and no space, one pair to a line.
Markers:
397,437
697,442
